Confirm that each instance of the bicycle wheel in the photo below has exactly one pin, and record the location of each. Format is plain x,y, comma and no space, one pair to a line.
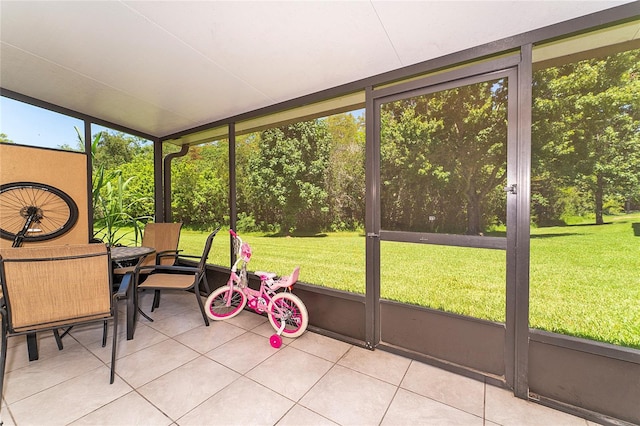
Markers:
33,211
289,308
216,304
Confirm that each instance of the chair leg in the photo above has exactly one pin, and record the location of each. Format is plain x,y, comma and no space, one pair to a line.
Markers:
66,332
3,351
104,334
131,312
32,347
58,339
114,344
206,283
196,290
156,300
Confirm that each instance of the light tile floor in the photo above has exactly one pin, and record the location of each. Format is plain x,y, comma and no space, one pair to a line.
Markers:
178,372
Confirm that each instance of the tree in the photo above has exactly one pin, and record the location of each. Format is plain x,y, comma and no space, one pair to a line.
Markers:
200,185
345,183
139,196
586,127
444,156
117,148
288,175
5,139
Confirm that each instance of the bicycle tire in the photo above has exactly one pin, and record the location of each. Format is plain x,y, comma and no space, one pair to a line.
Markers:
56,211
296,315
216,305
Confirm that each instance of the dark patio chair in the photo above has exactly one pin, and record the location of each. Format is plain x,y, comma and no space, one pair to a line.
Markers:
53,287
178,277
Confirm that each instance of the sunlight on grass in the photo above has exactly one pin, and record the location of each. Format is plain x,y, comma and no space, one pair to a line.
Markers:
584,280
467,281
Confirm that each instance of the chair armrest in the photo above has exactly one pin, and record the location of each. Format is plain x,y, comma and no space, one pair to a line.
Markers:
166,253
191,256
124,286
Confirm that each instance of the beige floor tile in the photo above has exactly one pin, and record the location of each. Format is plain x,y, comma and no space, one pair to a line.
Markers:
90,333
152,362
266,330
172,302
244,402
290,372
409,408
189,385
379,364
299,415
452,389
143,338
504,408
5,415
70,400
322,346
247,320
349,398
130,409
175,384
204,339
179,323
243,353
49,371
17,355
6,419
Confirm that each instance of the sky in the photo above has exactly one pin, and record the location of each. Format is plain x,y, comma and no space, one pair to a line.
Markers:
28,125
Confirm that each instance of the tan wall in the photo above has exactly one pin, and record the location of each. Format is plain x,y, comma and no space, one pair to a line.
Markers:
64,170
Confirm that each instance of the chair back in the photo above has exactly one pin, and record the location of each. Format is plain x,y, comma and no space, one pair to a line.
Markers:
162,237
207,248
46,286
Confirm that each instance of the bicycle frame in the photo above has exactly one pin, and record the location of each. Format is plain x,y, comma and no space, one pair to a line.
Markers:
285,311
258,300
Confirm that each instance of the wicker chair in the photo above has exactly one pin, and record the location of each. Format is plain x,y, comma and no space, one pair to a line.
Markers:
178,277
47,288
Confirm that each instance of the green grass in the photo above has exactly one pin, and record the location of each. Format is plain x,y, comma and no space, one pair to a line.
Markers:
584,279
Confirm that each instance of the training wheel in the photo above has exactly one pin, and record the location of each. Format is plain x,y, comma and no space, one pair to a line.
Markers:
276,341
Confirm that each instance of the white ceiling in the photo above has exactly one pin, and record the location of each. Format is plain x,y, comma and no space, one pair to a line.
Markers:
163,67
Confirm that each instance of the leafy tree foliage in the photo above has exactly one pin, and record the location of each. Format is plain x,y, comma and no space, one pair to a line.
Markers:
5,139
444,155
345,178
287,177
117,148
200,189
586,136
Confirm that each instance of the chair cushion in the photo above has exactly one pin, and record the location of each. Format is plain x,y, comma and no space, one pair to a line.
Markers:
177,281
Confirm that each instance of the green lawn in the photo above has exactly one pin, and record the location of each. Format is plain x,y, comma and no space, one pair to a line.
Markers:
584,279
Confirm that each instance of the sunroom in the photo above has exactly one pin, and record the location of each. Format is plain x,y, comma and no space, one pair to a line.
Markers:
459,181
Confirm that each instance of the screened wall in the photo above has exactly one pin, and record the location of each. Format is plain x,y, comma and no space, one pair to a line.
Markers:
479,212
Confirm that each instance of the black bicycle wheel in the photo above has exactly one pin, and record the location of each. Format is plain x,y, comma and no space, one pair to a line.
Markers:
35,212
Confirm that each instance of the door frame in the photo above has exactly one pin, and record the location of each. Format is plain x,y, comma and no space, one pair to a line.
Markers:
518,160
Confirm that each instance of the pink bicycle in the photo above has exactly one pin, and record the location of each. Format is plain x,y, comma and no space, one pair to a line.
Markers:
286,312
